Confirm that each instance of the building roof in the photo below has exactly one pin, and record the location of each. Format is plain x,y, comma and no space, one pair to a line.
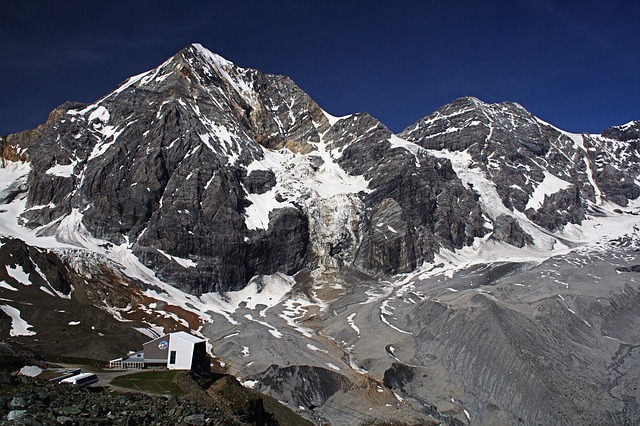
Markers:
188,337
132,357
182,335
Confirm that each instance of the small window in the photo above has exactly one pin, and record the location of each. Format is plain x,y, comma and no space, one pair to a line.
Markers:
172,357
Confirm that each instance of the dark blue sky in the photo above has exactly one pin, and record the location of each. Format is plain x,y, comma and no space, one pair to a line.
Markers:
575,64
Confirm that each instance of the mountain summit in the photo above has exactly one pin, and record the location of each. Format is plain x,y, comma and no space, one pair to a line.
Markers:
461,271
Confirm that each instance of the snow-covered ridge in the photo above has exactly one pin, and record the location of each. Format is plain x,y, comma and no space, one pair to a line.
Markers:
237,77
211,57
628,125
62,170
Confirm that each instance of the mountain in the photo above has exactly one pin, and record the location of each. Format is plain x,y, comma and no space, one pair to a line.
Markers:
181,165
477,268
551,176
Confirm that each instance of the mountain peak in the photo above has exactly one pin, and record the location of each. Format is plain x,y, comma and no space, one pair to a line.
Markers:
471,100
625,132
465,102
193,60
469,112
207,55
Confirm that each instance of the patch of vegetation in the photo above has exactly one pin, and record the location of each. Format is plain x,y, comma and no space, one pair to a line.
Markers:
160,382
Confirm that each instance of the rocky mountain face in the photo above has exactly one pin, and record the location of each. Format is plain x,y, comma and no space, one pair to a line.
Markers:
180,164
520,153
458,272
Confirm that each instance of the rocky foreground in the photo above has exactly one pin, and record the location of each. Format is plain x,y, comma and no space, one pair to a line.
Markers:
34,402
219,400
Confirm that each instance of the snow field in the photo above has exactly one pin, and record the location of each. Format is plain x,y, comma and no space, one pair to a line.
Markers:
19,327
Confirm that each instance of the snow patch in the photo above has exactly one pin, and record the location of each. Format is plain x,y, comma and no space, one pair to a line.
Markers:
31,370
294,310
352,324
272,291
46,290
185,263
250,383
332,119
272,330
101,114
62,170
413,148
549,186
108,132
316,349
7,286
18,274
257,214
332,366
19,327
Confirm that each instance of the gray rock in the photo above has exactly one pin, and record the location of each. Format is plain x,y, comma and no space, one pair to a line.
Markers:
260,181
507,229
420,195
194,420
44,397
18,402
96,410
16,414
72,409
398,375
303,385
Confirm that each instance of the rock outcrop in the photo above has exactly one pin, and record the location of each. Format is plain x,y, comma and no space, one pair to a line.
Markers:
226,402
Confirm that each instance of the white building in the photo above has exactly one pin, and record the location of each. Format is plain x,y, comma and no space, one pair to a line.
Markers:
175,351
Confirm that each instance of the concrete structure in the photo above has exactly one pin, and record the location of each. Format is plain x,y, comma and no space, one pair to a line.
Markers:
134,360
175,351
